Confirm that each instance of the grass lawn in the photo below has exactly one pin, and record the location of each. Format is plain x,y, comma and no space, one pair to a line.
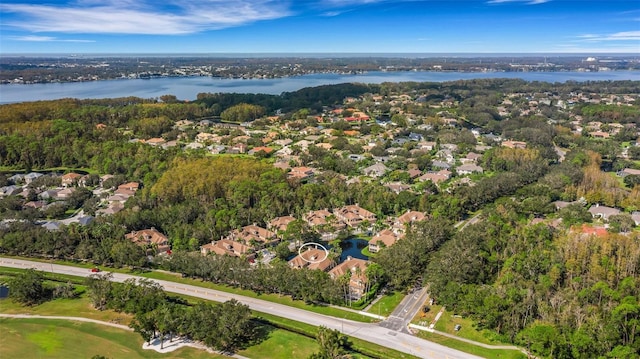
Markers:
386,304
448,321
44,338
472,349
282,344
80,307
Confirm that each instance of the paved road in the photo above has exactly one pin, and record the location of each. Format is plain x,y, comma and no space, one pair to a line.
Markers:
405,311
370,332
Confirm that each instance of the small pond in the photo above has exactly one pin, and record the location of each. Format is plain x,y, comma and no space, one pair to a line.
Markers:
353,247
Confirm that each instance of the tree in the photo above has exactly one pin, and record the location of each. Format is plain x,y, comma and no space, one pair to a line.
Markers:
332,344
100,287
28,287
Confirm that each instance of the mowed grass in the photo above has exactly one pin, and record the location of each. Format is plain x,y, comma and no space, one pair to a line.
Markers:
282,344
448,321
386,304
44,338
80,307
472,349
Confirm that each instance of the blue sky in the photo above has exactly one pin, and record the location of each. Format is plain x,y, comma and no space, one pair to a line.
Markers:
319,26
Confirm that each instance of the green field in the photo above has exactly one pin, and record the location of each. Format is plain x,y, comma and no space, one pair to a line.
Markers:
472,349
45,338
282,344
386,304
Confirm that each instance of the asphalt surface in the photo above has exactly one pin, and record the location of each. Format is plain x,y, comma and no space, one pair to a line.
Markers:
405,311
374,333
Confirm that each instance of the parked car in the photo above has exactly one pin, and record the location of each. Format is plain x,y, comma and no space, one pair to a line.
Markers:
95,269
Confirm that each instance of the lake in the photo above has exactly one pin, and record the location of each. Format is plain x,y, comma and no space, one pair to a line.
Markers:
352,247
187,88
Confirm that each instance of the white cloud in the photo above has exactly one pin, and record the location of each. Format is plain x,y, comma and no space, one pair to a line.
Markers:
618,36
141,17
34,38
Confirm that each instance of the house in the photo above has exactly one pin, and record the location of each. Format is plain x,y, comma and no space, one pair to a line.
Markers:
375,170
435,177
471,157
317,218
514,144
629,171
312,258
604,212
149,238
397,187
10,190
266,150
355,269
400,224
228,247
156,141
52,226
280,223
383,239
468,169
31,176
65,193
354,215
301,173
250,233
130,186
70,179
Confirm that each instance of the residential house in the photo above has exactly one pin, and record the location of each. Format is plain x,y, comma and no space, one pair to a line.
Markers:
228,247
251,233
280,223
301,173
150,238
514,144
31,176
604,212
435,177
10,190
312,258
70,179
317,218
156,141
355,269
397,187
468,169
629,171
400,224
383,239
375,170
354,215
65,193
130,186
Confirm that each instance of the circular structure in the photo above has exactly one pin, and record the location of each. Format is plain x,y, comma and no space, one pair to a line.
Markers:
316,245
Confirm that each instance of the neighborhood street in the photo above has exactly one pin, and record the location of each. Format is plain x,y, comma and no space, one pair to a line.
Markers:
394,337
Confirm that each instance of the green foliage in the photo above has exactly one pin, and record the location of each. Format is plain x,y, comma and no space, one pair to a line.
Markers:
333,345
242,113
28,287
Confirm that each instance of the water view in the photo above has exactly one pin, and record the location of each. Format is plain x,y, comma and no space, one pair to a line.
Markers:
187,88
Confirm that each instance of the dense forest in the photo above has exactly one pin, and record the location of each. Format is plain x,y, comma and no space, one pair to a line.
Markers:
540,284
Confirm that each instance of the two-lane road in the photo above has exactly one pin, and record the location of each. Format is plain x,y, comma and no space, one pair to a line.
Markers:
370,332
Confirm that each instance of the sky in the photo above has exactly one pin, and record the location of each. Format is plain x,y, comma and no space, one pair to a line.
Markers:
319,26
